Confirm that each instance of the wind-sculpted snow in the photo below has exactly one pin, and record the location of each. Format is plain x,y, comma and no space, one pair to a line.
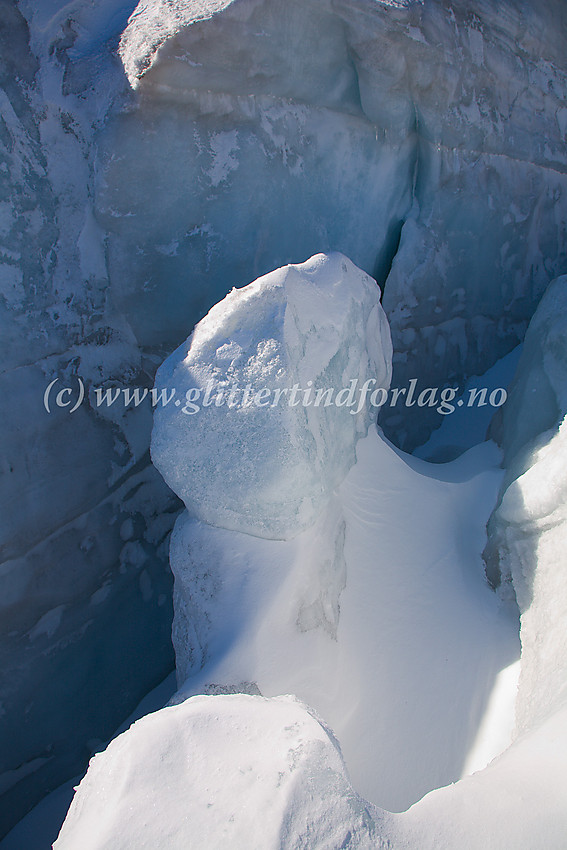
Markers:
416,626
246,772
274,612
417,638
377,616
381,599
255,774
275,384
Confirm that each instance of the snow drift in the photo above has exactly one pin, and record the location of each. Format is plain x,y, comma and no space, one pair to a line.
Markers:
245,772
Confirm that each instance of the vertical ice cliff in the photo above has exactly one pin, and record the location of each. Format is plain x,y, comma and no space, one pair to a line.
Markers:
424,141
527,545
85,594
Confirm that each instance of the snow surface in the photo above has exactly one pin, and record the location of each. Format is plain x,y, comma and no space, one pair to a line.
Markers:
378,618
279,772
247,772
309,612
516,803
417,627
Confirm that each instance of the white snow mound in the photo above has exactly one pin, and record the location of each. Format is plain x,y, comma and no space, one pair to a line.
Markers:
231,771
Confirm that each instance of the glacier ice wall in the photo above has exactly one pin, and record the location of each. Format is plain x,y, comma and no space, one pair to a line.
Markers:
528,530
85,591
537,399
230,138
426,143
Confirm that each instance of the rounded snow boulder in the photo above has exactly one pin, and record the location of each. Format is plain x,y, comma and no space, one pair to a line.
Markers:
259,411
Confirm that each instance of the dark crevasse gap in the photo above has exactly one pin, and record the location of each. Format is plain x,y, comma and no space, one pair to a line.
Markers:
387,254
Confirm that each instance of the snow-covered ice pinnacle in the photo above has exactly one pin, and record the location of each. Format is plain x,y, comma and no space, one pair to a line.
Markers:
266,459
528,530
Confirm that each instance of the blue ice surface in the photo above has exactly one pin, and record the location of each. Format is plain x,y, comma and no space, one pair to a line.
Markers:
40,827
467,426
